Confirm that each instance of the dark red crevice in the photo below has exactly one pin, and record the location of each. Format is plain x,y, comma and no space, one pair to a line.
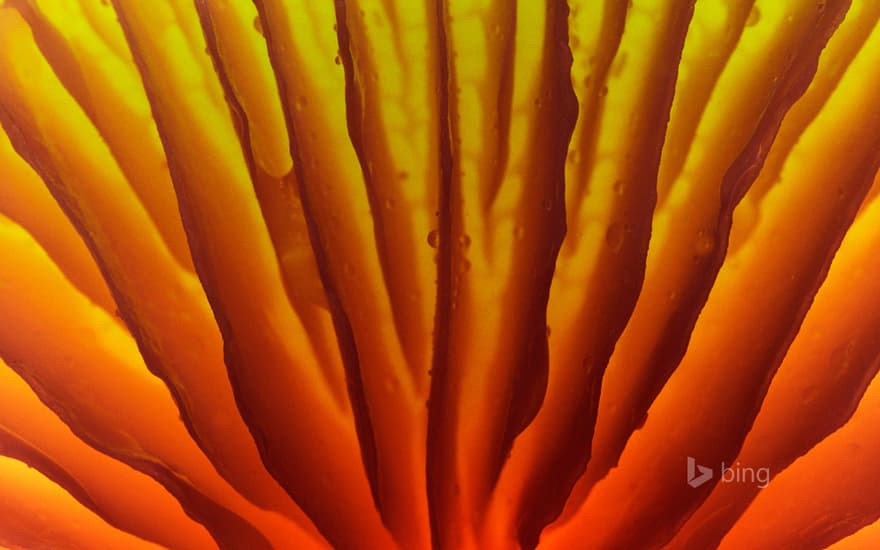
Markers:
341,323
674,339
499,117
612,33
201,253
545,494
712,535
228,529
36,154
275,204
13,446
397,257
442,414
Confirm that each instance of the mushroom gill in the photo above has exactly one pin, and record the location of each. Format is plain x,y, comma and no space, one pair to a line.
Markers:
452,274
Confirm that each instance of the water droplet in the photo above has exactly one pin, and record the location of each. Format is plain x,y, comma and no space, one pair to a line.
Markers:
754,17
337,60
618,188
464,241
603,91
614,237
433,238
519,232
258,24
547,204
705,244
389,204
301,103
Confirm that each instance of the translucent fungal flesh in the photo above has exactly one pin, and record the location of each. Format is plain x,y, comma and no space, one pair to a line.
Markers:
457,274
